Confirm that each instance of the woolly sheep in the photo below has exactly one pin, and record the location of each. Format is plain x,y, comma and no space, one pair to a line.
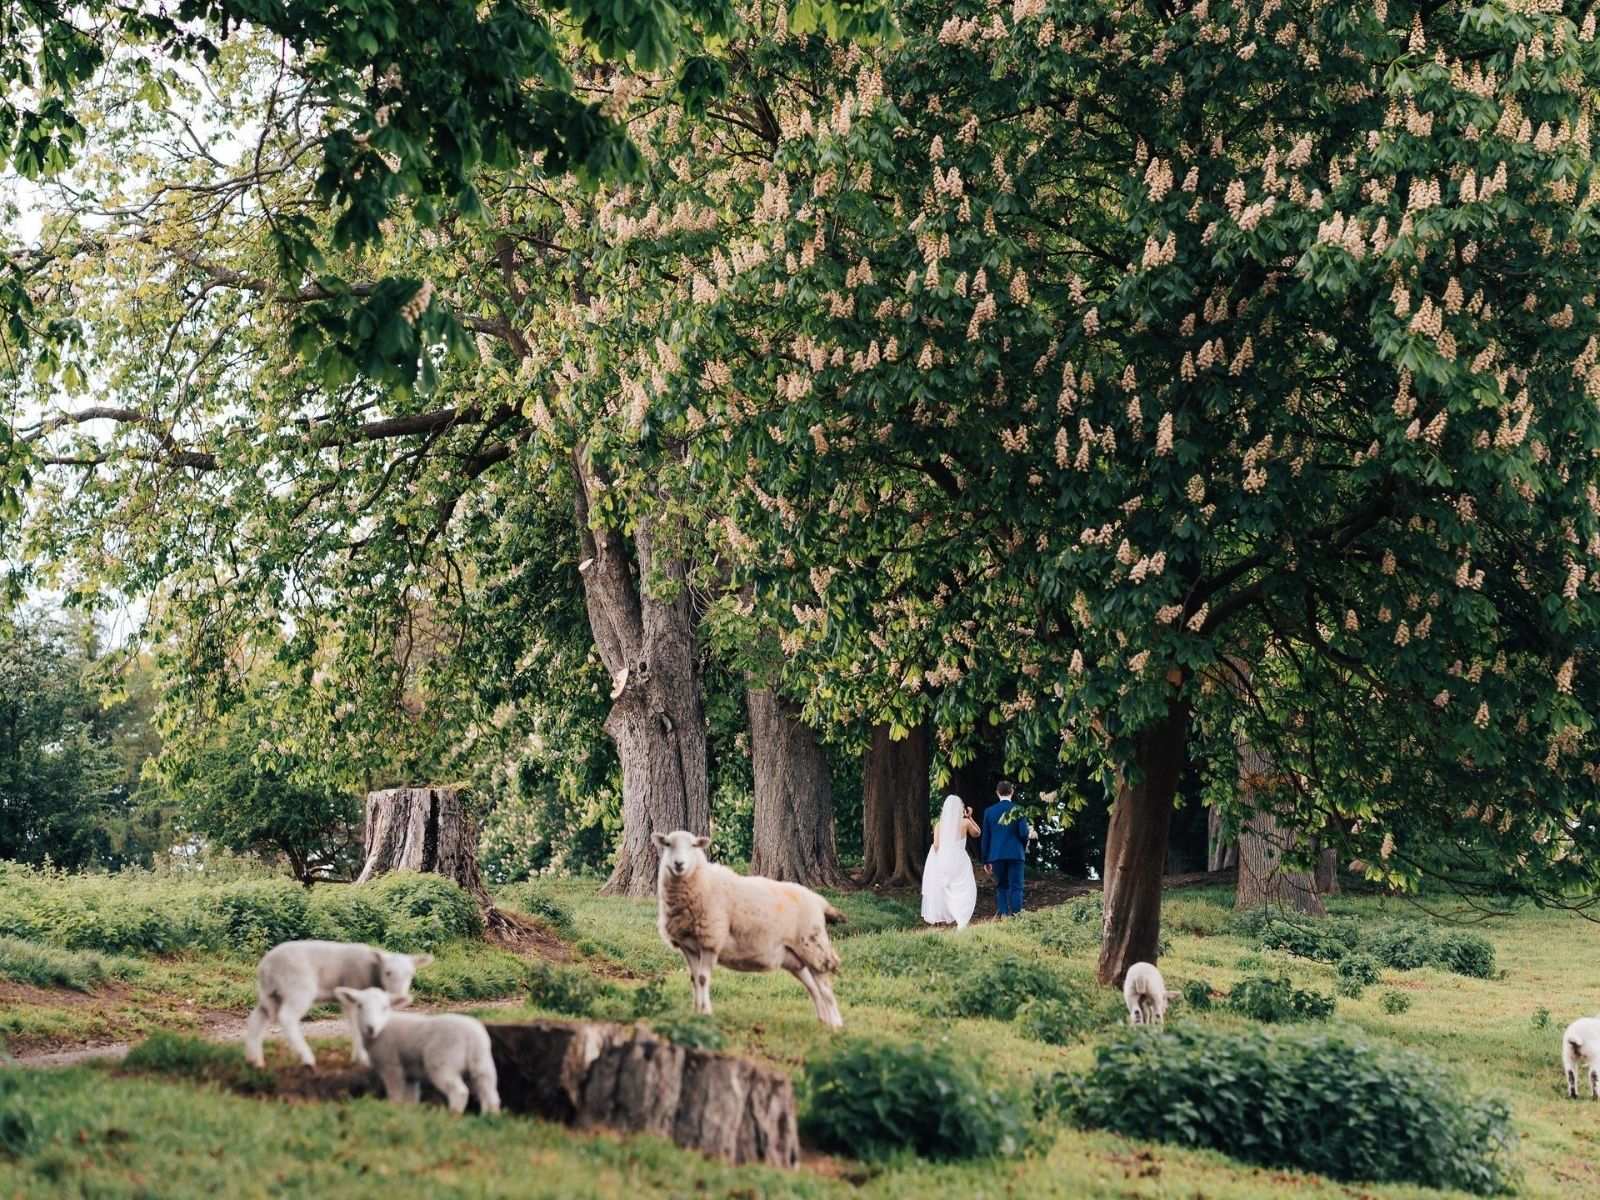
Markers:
713,915
450,1052
294,977
1146,995
1581,1044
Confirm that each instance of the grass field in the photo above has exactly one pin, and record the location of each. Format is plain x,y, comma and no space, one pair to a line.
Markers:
99,1131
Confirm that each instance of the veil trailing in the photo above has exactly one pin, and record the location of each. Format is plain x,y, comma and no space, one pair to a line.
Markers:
952,840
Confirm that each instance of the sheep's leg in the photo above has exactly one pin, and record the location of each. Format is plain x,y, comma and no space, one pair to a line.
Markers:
483,1087
395,1086
825,986
255,1028
1594,1082
455,1091
413,1091
1572,1084
290,1010
702,980
793,964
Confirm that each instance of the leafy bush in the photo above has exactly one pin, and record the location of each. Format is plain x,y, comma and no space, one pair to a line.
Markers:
1407,945
1060,1022
530,899
576,993
998,987
424,911
1467,954
261,913
1327,940
1263,998
872,1100
1350,989
1197,995
696,1031
1395,1003
1359,968
1379,1113
47,967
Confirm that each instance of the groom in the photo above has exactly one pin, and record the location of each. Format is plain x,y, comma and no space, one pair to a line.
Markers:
1002,850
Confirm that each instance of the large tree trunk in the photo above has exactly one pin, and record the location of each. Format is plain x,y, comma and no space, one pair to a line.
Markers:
1221,852
793,828
895,825
428,829
1136,846
645,632
1263,842
1328,872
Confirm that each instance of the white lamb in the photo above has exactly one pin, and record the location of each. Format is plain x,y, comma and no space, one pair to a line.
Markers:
451,1052
1581,1044
713,915
294,977
1146,995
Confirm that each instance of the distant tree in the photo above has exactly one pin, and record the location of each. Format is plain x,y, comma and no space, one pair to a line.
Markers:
59,776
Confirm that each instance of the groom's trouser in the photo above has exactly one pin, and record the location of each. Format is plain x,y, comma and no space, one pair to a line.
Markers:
1008,886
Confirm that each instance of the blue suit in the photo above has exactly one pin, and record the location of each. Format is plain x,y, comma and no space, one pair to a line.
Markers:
1003,848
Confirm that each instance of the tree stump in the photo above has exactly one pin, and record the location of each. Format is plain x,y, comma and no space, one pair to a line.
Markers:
428,829
588,1074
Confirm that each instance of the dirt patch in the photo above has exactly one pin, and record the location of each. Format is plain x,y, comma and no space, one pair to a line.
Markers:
19,994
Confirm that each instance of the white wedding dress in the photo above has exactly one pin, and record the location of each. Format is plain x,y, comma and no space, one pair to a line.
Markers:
949,888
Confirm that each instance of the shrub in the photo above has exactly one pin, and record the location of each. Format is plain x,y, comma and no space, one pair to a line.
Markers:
1467,954
1350,989
1395,1003
1325,941
528,898
259,914
998,987
1197,995
1059,1022
1407,945
425,911
873,1099
576,993
696,1031
1541,1018
348,914
1360,969
1379,1113
1263,998
47,967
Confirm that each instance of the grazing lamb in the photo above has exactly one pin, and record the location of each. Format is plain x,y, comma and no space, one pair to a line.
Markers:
1581,1044
450,1052
1146,995
296,976
713,915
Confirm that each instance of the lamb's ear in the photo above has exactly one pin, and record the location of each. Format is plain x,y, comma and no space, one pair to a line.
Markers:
701,843
345,996
421,960
660,839
1173,995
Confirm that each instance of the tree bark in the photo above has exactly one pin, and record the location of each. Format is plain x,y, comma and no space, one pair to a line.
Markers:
1263,842
645,633
1328,872
895,826
1221,853
587,1074
428,829
793,825
1136,846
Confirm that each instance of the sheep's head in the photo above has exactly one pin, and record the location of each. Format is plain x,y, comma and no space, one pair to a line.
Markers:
367,1010
395,972
681,852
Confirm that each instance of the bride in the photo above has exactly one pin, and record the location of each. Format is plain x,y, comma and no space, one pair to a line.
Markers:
949,890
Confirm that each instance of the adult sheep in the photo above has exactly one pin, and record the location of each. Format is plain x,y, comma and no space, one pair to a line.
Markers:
713,915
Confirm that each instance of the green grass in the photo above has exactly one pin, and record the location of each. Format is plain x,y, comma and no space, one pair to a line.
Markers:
108,1134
